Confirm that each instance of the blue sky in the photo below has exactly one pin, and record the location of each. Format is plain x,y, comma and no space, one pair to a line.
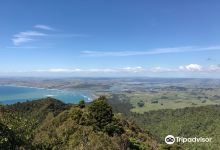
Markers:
154,38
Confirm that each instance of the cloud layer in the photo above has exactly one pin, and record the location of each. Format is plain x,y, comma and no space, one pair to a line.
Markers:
26,36
44,27
187,68
149,52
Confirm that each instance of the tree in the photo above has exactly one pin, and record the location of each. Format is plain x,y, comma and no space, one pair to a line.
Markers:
81,103
100,113
140,103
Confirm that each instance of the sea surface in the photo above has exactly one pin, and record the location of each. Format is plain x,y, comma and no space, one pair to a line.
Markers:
10,94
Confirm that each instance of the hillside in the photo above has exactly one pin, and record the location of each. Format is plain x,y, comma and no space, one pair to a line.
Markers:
188,122
37,109
203,121
50,124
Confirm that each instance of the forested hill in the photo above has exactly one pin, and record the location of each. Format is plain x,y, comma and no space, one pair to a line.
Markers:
201,121
37,109
50,124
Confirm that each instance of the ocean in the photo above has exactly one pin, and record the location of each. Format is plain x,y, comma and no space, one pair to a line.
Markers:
10,94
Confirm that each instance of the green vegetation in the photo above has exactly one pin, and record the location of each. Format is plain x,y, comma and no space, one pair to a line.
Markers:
134,116
50,124
82,104
101,113
7,138
140,103
147,101
188,122
203,121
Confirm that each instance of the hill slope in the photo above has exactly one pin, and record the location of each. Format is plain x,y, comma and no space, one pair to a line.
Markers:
50,124
188,122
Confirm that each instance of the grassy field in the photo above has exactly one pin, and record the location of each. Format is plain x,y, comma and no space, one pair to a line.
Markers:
172,100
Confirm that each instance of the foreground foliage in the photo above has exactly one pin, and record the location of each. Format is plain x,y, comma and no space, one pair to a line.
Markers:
49,124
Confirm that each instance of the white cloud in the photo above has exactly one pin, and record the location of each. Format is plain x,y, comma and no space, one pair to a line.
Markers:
104,70
137,69
149,52
62,70
68,35
27,36
161,69
24,47
214,68
44,27
132,69
191,67
18,41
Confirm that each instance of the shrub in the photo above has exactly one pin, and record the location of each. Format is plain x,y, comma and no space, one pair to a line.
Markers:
100,113
140,103
81,103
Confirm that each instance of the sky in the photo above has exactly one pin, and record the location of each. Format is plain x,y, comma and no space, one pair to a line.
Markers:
152,38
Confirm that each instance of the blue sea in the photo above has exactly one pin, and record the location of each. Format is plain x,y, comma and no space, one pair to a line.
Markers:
10,94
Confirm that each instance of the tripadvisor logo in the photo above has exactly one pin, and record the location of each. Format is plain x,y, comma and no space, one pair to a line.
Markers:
170,139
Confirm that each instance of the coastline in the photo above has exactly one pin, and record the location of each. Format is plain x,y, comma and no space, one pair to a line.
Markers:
87,96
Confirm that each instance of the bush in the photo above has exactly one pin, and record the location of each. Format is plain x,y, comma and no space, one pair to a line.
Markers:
154,102
7,140
136,144
140,103
82,104
100,113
